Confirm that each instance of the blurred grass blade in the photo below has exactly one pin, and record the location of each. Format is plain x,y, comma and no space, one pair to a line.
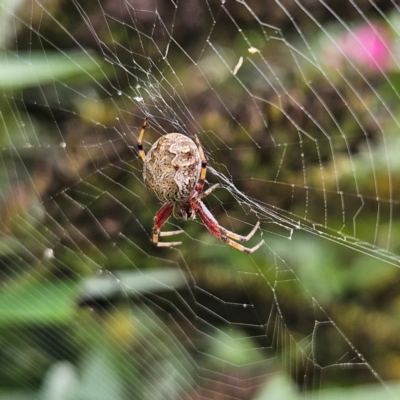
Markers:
26,70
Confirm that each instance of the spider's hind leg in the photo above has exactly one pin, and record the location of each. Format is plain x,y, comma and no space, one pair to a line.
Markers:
241,238
240,247
223,234
228,234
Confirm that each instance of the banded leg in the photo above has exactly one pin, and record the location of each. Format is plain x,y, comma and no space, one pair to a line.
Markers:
241,238
140,140
202,179
159,220
207,192
223,234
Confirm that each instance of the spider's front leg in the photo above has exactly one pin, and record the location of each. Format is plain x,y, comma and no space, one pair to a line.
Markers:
159,220
140,141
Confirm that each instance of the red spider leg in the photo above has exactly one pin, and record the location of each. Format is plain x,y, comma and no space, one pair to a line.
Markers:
221,233
159,220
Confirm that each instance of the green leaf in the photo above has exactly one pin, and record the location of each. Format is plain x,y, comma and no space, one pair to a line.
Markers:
43,302
133,283
280,387
232,347
32,69
100,379
17,395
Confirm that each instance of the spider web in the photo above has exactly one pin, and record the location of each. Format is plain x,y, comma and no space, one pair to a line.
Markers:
296,107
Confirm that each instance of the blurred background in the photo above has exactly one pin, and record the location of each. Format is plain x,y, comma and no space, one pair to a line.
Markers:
296,106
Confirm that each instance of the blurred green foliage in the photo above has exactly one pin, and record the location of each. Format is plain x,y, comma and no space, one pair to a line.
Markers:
89,309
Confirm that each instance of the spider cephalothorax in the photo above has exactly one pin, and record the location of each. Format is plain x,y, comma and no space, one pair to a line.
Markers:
182,211
174,170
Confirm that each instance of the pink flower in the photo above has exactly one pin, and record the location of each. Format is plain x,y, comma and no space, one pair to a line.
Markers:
368,45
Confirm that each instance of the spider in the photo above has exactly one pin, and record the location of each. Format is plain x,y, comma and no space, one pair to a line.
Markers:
174,169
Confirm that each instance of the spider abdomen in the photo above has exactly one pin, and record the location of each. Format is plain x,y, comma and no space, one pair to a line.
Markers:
172,167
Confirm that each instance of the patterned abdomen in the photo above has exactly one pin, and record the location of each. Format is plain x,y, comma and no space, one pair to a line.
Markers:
172,167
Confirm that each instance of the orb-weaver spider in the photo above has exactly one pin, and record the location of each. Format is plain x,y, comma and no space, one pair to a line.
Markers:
174,169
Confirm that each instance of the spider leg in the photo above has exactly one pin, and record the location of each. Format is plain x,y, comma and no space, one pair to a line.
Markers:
200,183
223,234
159,220
139,142
241,247
170,233
207,192
241,238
